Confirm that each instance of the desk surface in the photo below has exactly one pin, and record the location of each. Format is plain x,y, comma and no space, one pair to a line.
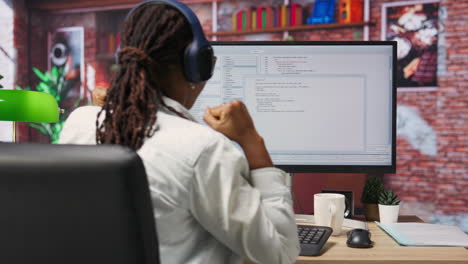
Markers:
385,250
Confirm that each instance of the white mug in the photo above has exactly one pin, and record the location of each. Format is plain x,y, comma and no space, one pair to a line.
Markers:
329,210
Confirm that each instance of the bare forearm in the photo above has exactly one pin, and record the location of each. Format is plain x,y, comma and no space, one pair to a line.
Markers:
256,152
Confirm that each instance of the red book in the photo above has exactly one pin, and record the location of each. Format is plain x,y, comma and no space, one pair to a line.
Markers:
269,13
239,20
248,13
293,17
259,17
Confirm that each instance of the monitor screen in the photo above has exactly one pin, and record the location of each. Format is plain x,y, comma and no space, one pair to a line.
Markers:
320,106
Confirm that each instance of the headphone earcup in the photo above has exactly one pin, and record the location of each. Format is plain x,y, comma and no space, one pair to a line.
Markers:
198,62
189,67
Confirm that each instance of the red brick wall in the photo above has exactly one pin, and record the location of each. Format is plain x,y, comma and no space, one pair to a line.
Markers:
452,115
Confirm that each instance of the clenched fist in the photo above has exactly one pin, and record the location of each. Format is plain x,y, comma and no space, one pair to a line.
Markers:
233,120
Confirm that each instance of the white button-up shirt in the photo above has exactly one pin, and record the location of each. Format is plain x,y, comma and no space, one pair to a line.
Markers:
209,207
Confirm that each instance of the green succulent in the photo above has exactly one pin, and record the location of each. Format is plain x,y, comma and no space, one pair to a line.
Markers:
372,189
388,197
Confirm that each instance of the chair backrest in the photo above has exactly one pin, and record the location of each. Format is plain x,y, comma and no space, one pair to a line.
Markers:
62,204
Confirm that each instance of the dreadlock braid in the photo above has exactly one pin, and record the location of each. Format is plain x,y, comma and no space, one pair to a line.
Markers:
152,37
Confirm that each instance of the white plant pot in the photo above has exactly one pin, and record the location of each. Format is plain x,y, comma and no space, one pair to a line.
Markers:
388,213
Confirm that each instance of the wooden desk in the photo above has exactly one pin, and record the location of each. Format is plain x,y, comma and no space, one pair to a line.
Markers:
385,250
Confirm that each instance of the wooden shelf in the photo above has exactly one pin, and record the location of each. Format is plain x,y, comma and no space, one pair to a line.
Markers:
294,28
200,1
94,4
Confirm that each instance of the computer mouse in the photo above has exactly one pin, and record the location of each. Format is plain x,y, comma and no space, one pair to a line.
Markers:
359,238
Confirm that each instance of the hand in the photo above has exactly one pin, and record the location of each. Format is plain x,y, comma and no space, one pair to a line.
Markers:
233,120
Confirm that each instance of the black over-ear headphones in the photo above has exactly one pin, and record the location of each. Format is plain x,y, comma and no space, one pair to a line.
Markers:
198,55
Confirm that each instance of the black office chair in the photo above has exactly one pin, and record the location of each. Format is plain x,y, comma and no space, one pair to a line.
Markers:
66,204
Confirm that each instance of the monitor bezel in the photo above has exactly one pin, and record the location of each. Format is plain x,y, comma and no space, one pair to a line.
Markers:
337,168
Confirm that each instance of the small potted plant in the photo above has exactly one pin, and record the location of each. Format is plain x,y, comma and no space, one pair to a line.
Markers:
370,197
389,206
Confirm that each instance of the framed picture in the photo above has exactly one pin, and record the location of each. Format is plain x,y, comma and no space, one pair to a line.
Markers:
66,51
414,25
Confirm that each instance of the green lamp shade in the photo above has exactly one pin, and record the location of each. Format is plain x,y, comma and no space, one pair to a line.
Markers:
28,106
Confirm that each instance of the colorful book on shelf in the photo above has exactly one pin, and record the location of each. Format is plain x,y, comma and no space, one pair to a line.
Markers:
239,20
284,17
275,16
254,18
259,16
350,11
234,21
300,15
292,16
264,18
296,15
248,13
244,20
279,11
323,12
269,17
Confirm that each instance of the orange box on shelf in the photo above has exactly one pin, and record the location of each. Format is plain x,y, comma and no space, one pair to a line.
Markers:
350,11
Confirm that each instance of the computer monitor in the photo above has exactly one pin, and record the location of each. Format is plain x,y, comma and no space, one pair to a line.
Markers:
74,204
320,106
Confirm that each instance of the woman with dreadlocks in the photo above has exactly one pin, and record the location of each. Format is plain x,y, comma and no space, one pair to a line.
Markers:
212,204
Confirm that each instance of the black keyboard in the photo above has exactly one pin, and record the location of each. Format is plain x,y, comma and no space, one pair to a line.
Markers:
312,238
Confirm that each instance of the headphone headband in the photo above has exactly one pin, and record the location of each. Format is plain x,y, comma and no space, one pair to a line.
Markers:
181,7
198,56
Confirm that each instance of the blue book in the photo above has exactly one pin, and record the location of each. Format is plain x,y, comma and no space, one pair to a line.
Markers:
323,12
